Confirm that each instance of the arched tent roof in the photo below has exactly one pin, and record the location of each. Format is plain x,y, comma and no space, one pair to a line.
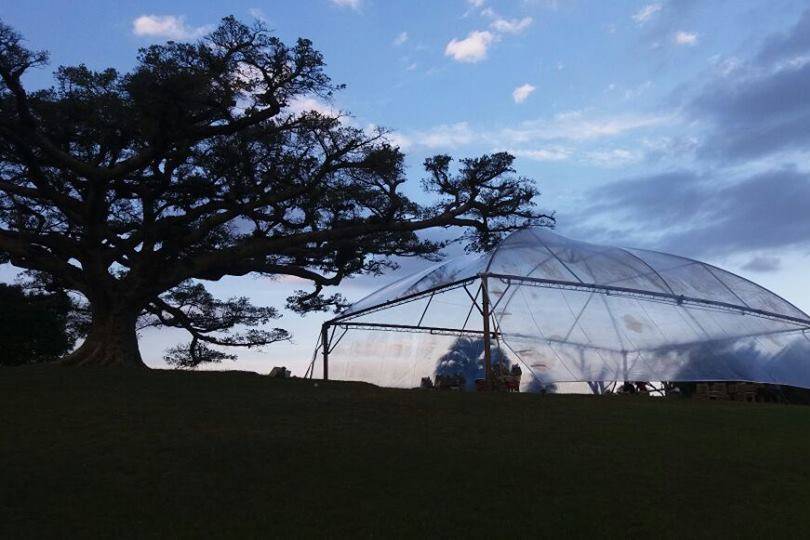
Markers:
575,311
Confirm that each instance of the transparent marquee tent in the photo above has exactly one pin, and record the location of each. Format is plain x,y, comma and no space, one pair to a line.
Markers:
570,311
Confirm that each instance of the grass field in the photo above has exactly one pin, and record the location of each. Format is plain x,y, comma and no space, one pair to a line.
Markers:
117,453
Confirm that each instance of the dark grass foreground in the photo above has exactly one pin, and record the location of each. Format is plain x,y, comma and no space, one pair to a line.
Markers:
120,453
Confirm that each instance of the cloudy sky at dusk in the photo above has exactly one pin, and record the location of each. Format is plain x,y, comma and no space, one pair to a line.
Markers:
679,125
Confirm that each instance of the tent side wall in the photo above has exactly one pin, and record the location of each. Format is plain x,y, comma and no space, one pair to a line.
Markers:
569,311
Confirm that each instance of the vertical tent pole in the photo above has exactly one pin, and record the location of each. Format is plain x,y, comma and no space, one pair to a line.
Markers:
325,345
487,346
624,365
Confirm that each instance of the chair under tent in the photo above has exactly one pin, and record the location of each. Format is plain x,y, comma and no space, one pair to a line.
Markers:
570,311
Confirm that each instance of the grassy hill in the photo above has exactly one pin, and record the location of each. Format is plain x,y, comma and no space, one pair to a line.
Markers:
106,452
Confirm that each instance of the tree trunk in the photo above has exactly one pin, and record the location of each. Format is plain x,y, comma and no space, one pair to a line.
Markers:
112,341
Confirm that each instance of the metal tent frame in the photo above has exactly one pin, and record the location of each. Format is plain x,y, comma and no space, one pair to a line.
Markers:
685,309
333,330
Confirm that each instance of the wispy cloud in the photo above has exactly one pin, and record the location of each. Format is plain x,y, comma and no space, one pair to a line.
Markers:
792,44
522,92
474,47
698,214
763,263
578,126
551,153
602,158
351,4
758,108
172,27
447,136
259,15
401,38
511,26
471,49
637,91
744,180
566,136
612,158
646,13
685,38
444,137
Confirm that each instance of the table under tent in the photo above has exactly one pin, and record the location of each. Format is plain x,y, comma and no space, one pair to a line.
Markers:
568,311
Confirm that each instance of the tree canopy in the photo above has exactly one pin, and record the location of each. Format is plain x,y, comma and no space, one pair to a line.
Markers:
131,189
34,326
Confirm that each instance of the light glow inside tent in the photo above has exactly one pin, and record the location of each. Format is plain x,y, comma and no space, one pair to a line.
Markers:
571,311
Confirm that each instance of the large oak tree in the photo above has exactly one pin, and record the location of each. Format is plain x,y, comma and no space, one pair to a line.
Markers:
130,189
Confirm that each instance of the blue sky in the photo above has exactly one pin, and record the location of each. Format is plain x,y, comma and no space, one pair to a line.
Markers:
679,125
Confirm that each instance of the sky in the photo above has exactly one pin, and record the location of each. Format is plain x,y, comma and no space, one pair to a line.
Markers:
678,125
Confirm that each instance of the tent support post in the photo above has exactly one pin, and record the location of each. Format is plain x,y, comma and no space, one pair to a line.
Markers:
624,365
325,345
487,333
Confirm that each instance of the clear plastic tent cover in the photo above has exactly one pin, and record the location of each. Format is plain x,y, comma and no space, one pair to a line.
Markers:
570,311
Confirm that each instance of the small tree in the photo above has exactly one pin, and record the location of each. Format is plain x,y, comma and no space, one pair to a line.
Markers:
466,357
129,188
34,327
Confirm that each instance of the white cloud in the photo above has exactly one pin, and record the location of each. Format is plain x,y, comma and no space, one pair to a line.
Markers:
300,105
471,49
577,126
489,12
445,136
259,15
402,141
617,157
686,38
522,92
503,25
474,47
560,137
511,26
352,4
474,5
644,14
401,38
607,158
551,153
167,26
634,93
249,74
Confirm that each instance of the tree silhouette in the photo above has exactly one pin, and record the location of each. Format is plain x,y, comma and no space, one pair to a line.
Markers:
466,357
130,188
34,327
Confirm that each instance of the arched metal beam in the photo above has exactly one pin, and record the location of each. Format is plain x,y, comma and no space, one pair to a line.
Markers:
636,293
